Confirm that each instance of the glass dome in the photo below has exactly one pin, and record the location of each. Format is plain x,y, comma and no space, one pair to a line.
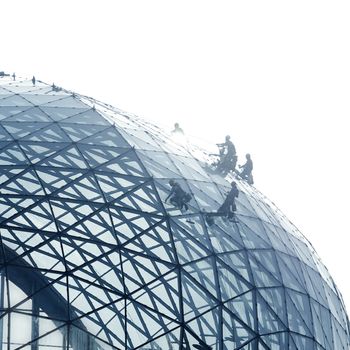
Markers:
93,258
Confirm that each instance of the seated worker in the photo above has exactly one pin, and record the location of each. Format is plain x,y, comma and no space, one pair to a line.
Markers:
229,206
178,197
246,173
228,158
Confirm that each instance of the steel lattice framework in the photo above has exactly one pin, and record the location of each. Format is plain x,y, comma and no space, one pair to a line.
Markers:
92,257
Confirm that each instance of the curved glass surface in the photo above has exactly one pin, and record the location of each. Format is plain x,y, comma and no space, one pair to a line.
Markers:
93,258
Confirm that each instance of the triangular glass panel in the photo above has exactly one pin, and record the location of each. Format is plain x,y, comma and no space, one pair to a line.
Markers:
140,270
5,135
267,258
144,324
322,324
55,180
82,188
231,283
340,335
115,185
66,101
223,226
269,322
187,248
33,115
68,213
278,238
109,136
155,242
276,341
37,151
11,154
88,117
98,155
104,273
24,183
14,100
65,156
9,172
96,226
130,224
51,333
207,195
196,299
6,112
262,276
334,304
253,234
162,296
302,342
127,164
139,139
290,270
244,206
60,113
235,333
41,98
314,286
89,298
299,312
223,242
82,132
21,129
275,298
244,309
140,198
170,340
79,338
50,133
38,217
11,207
192,226
203,272
206,327
304,251
238,262
159,167
43,256
189,167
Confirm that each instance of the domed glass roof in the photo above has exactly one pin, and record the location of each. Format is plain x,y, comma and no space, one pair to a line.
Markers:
93,258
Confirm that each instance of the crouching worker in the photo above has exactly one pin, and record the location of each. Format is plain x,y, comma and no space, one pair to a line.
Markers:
228,208
178,197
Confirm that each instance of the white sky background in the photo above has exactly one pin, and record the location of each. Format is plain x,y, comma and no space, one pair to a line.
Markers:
275,75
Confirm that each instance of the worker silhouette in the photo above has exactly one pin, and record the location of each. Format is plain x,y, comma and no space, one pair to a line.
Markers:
177,129
247,168
229,206
33,80
228,158
178,197
227,209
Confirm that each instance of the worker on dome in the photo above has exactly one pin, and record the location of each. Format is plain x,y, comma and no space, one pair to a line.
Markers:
33,80
246,173
178,197
177,129
228,158
229,206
